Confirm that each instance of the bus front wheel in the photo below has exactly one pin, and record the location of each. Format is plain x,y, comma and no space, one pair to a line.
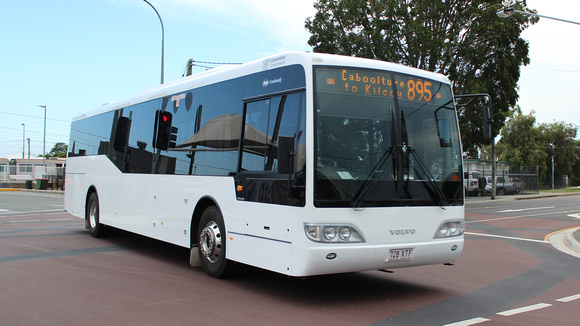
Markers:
212,243
92,215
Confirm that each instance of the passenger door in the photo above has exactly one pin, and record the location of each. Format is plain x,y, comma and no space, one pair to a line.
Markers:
272,154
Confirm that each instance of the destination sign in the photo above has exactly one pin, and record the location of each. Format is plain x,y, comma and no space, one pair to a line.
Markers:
380,84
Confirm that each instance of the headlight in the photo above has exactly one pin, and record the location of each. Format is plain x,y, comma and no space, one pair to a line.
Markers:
450,229
333,233
345,233
329,233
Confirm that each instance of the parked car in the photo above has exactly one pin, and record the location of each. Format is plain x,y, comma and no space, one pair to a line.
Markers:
471,183
503,186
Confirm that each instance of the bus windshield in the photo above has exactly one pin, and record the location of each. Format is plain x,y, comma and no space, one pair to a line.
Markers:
385,139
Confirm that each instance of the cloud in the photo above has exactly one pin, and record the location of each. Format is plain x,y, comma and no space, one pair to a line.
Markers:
279,20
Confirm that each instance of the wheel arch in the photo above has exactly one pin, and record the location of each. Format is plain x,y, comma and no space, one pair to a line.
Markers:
202,204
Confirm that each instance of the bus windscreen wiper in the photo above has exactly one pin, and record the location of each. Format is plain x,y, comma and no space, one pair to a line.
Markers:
377,171
431,185
441,200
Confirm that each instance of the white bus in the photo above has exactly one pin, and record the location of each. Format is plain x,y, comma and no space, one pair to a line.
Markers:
300,163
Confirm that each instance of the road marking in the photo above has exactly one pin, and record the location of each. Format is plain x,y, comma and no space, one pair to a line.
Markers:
570,298
468,322
26,221
506,237
511,312
47,220
516,311
574,215
524,209
520,216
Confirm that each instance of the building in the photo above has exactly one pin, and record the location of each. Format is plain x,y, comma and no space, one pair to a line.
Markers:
16,172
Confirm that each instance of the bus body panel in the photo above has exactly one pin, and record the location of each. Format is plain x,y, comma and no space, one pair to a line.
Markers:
156,206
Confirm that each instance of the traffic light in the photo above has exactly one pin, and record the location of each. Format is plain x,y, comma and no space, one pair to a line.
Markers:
164,130
487,122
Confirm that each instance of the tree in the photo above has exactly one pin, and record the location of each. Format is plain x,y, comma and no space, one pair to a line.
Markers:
464,40
559,141
527,144
58,150
522,142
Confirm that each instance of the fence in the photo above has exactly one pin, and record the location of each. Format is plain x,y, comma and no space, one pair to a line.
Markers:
509,180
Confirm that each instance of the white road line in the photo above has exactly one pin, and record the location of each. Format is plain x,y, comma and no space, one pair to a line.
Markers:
570,298
524,209
26,221
519,216
516,311
505,237
511,312
468,322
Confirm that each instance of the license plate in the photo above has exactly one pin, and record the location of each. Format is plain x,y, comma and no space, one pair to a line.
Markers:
400,254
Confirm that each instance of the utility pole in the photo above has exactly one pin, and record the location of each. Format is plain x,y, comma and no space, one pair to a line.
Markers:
23,137
44,141
189,67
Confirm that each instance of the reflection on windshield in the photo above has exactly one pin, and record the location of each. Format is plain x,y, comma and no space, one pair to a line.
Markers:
396,145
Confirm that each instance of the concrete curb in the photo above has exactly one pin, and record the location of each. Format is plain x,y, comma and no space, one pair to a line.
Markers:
476,200
572,239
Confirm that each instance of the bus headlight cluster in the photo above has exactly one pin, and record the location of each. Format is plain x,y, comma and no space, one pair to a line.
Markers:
450,229
333,233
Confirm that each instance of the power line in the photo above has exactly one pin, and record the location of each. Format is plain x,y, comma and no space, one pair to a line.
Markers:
550,70
196,63
31,116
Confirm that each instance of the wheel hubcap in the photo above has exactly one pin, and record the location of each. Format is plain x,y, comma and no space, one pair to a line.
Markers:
93,215
210,242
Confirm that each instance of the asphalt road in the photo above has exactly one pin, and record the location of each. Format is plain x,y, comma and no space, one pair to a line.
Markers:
53,273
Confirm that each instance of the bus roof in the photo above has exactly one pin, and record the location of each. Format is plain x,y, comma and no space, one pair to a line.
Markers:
226,72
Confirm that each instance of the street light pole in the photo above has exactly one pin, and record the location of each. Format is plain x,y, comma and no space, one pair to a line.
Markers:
23,138
162,39
506,12
44,139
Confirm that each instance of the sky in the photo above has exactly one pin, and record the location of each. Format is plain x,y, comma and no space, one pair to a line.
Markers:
73,56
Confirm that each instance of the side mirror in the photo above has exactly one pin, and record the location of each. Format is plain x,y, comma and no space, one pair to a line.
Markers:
444,133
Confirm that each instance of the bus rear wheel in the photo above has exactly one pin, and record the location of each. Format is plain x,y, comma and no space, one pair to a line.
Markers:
96,229
212,243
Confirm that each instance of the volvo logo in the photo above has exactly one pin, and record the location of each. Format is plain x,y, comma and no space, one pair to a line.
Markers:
402,232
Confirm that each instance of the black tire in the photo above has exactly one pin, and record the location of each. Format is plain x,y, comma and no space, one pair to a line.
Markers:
500,192
92,223
211,238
